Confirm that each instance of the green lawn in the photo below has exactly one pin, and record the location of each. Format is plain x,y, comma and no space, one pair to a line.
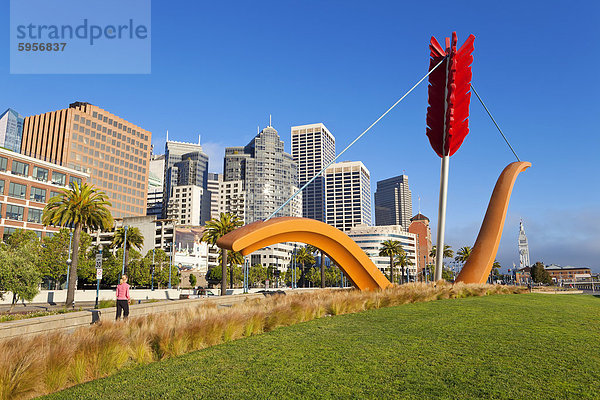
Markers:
511,347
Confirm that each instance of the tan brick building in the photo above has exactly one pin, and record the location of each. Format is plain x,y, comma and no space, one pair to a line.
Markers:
26,185
113,152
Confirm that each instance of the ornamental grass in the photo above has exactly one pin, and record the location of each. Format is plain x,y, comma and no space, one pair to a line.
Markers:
47,363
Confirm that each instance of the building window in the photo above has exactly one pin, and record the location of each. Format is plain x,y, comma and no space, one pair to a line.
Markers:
3,163
37,194
75,179
59,178
8,232
54,194
14,212
1,186
34,215
41,174
17,190
19,168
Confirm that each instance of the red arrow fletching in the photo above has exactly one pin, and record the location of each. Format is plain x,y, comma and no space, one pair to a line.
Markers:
449,95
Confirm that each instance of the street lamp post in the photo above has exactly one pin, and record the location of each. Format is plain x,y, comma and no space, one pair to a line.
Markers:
124,250
98,273
152,284
171,262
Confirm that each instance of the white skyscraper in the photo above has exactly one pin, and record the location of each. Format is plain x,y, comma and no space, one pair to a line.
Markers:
348,195
523,248
313,147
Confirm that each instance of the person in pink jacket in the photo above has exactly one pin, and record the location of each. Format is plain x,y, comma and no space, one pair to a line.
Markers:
123,298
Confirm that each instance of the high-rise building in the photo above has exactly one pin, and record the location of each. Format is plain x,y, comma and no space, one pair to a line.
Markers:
155,185
186,164
523,247
419,225
115,153
232,199
185,205
313,147
26,185
11,130
348,195
393,202
369,238
213,185
269,174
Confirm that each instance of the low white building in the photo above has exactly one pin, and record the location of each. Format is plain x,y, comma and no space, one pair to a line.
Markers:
370,239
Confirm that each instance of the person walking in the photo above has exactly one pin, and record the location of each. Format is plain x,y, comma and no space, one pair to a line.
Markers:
123,298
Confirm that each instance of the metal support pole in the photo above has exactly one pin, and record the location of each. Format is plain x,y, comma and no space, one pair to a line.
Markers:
124,250
439,255
171,262
246,273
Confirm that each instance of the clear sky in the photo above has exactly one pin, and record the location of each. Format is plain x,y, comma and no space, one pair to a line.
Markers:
220,68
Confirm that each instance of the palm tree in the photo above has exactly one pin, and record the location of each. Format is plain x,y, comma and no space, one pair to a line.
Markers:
134,239
78,207
403,261
463,253
214,230
313,250
234,259
390,248
448,252
303,256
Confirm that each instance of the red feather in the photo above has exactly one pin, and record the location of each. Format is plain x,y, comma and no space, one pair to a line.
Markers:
449,95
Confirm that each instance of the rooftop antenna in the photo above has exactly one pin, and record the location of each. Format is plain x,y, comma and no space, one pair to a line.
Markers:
270,121
167,135
199,136
257,129
419,204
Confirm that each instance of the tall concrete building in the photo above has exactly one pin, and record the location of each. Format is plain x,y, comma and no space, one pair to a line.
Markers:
186,164
11,130
155,185
313,147
114,152
348,195
393,202
523,247
213,185
232,198
269,174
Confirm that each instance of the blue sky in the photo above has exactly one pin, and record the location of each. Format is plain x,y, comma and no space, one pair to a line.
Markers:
220,68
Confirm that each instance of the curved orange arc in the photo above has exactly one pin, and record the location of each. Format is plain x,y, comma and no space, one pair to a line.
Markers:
480,262
351,259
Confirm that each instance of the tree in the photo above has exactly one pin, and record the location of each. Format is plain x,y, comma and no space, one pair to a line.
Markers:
333,276
257,274
192,280
314,276
390,248
313,249
463,254
134,239
403,261
19,271
539,274
303,256
215,229
79,207
288,277
161,266
138,271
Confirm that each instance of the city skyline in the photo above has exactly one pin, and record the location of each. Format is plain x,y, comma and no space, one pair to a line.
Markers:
362,73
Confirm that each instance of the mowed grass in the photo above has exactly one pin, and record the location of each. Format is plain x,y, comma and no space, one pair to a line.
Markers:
527,346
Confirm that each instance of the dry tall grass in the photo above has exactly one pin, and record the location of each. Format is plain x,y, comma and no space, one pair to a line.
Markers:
47,363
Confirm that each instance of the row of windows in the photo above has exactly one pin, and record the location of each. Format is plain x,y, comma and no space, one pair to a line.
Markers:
17,213
19,191
38,173
105,119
